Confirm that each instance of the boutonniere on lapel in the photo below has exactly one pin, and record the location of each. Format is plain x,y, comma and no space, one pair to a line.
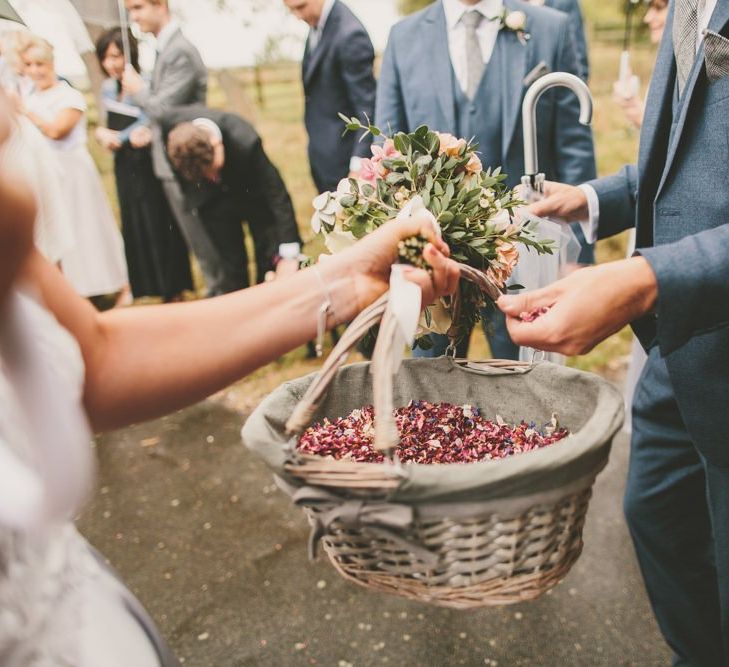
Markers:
514,21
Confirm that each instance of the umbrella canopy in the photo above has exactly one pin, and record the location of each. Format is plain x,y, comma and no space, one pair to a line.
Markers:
104,13
7,12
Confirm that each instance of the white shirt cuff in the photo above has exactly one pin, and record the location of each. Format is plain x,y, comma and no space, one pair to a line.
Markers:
355,163
589,226
289,250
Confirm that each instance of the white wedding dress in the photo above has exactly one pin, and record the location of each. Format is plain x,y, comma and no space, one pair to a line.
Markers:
95,263
59,604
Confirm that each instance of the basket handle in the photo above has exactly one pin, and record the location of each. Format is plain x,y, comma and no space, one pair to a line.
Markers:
383,362
303,412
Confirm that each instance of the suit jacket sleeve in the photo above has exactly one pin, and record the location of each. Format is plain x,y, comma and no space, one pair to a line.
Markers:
357,57
176,88
390,112
277,196
693,290
617,197
575,151
271,206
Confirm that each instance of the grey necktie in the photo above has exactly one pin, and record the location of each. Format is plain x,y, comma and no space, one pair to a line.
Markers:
474,59
685,32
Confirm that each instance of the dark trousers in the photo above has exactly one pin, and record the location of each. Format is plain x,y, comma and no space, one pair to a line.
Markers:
494,325
677,508
218,248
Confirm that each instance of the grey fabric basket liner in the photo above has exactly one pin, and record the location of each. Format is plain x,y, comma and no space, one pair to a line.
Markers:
590,407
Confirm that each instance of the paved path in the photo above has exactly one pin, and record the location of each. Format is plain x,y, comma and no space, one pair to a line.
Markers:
218,556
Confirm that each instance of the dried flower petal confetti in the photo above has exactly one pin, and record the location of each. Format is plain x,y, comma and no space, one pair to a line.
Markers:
429,433
531,315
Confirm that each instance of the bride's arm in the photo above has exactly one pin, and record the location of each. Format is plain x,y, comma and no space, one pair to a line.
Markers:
146,361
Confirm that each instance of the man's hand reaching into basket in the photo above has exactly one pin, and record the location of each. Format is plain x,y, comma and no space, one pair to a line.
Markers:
576,313
368,262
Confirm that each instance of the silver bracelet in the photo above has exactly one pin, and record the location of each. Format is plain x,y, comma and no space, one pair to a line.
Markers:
324,311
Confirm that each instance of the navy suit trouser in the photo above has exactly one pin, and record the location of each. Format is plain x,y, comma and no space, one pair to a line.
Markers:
677,508
494,325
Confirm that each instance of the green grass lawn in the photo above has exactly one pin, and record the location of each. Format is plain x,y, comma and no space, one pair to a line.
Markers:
279,120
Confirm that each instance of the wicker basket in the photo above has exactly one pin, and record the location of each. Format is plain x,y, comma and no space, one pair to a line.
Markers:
460,535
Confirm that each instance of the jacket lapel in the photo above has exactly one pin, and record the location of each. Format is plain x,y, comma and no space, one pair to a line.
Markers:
660,97
440,71
323,45
159,60
513,70
718,20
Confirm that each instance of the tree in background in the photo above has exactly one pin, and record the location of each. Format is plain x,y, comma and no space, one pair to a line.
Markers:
410,6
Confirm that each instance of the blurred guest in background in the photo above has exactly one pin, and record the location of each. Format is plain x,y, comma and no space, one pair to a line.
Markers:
12,72
228,178
179,77
338,78
453,67
631,102
157,257
572,9
95,263
27,152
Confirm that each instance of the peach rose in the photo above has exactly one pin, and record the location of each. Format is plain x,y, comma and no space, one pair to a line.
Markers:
474,165
450,145
507,257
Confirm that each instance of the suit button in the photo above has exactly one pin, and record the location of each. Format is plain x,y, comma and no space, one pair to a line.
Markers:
473,108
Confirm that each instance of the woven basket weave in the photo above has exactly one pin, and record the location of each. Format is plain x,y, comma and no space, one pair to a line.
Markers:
483,561
459,535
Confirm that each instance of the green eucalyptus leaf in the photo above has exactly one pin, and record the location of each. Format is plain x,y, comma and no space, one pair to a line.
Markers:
394,177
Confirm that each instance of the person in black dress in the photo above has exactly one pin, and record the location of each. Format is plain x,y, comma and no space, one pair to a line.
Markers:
157,257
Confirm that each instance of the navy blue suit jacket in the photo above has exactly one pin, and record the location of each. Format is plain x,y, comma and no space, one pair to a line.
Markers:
678,198
338,78
416,87
572,9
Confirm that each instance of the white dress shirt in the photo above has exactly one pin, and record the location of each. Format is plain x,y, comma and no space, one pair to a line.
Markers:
487,32
589,227
315,33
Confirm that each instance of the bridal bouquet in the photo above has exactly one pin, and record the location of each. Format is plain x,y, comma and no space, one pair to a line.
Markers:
475,210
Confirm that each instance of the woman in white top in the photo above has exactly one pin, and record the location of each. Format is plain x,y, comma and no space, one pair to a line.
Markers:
66,368
95,265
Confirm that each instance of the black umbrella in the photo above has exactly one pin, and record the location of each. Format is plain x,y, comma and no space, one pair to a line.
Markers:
7,12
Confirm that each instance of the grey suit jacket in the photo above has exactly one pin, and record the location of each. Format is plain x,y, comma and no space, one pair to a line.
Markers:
179,78
678,198
416,88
